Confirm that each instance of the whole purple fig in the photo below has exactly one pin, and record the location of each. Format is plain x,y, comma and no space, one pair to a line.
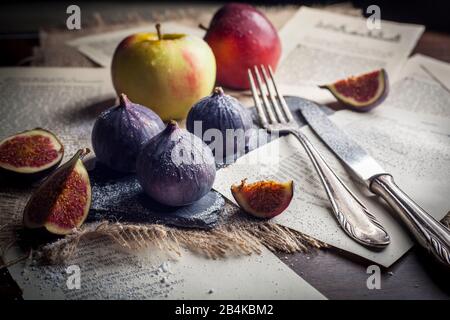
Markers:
120,132
175,167
223,122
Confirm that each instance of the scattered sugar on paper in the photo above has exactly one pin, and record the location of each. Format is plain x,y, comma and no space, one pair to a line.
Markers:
105,273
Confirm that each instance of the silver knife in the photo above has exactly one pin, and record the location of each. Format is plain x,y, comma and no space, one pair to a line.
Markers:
430,233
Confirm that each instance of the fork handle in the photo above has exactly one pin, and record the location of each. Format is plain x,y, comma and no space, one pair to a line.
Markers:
430,233
349,211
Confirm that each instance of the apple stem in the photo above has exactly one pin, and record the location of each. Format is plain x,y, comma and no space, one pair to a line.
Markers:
201,26
158,30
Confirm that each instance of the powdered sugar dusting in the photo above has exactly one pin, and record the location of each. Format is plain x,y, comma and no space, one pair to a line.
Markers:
109,274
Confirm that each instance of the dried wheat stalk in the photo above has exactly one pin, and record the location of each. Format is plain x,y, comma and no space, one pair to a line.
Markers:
240,238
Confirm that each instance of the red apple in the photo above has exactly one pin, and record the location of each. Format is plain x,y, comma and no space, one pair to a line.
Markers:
241,37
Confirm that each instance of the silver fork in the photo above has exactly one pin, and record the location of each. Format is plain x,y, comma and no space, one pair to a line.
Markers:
275,116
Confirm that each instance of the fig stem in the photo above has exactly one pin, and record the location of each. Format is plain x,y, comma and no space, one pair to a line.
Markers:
172,125
158,31
123,100
218,90
201,26
83,152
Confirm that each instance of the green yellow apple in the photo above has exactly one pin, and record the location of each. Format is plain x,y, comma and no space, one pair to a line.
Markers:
165,72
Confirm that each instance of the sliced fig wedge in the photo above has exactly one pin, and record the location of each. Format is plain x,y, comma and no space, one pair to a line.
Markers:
263,199
363,92
32,153
62,201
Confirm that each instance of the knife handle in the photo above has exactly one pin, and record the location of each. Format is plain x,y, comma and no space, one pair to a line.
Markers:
430,233
349,211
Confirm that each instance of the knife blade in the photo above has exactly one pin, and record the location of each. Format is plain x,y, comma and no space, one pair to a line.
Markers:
429,233
351,153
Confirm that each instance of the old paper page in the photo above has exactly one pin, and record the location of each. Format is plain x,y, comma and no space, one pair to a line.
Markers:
100,47
106,272
422,88
414,148
67,102
63,100
320,47
438,70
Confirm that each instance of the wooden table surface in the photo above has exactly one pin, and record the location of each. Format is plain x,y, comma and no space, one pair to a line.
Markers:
337,274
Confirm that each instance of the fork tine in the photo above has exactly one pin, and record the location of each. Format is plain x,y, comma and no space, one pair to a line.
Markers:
266,103
259,109
274,101
284,105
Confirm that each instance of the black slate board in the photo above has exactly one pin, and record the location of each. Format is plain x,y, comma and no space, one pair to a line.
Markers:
119,197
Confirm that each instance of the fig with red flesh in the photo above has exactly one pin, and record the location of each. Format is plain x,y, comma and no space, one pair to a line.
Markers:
363,92
63,200
30,154
263,199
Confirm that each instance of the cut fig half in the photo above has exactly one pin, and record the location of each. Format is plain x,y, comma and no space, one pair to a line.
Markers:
32,153
263,199
363,92
63,200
